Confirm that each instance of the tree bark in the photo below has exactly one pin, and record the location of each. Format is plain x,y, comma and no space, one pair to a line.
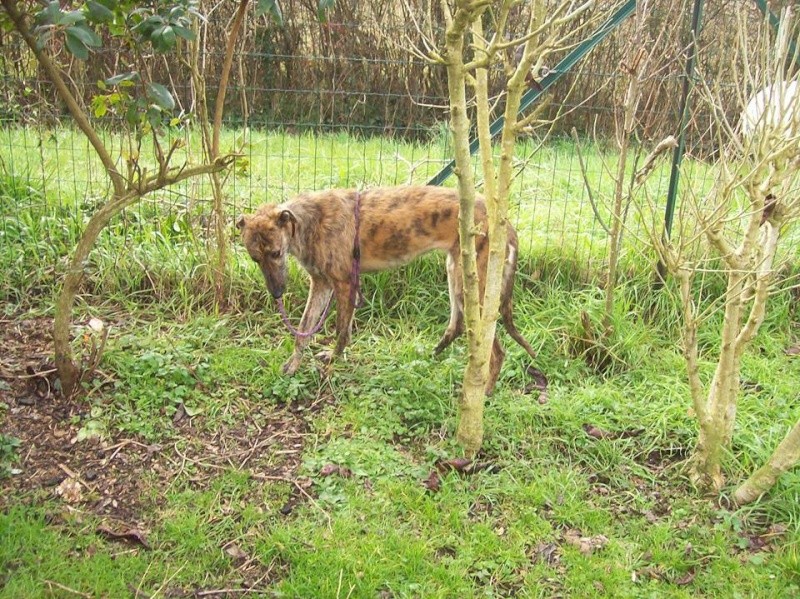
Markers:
785,456
470,414
716,429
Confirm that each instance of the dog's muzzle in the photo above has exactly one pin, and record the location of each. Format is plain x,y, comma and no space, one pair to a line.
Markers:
273,285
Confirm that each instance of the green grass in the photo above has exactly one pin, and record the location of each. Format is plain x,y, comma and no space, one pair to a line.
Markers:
386,414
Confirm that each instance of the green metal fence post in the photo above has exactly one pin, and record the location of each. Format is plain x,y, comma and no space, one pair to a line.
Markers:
683,109
677,155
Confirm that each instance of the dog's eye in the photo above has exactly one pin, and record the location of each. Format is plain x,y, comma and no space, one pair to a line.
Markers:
275,255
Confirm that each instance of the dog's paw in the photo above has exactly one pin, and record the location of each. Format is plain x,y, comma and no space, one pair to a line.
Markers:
326,357
290,367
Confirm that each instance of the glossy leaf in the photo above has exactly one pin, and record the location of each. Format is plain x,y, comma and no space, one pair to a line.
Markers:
97,13
184,32
76,46
87,36
50,14
122,77
70,18
163,38
160,96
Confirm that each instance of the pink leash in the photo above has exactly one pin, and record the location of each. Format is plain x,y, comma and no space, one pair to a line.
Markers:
355,281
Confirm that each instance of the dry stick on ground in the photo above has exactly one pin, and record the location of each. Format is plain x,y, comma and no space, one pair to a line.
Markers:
67,589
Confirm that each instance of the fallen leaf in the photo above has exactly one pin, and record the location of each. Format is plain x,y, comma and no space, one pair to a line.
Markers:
457,464
686,578
329,469
70,490
546,553
751,386
432,483
794,350
631,433
129,535
192,411
596,432
465,466
235,553
586,545
180,414
599,433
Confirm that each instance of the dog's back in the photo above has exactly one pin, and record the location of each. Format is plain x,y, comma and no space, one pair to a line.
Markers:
396,224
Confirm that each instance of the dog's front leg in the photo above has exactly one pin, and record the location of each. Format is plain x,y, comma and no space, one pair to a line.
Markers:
319,294
344,320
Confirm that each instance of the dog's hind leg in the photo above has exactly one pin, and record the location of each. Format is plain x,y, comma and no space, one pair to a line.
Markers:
506,297
319,294
456,291
495,364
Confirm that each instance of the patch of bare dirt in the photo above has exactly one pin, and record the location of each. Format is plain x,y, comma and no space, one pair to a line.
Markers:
121,478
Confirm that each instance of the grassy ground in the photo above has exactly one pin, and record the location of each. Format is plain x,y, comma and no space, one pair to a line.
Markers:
192,468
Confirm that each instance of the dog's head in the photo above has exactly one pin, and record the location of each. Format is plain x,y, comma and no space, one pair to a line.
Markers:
266,235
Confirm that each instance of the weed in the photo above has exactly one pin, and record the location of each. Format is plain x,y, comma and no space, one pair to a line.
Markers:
9,447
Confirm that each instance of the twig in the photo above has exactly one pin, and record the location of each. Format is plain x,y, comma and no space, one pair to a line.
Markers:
253,449
586,183
74,475
67,589
226,591
198,462
6,374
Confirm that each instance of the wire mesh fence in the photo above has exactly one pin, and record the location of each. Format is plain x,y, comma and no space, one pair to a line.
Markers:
345,103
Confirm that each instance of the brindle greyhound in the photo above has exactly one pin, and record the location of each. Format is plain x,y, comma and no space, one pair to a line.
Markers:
396,224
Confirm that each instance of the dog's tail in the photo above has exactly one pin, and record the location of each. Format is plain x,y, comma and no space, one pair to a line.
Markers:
506,297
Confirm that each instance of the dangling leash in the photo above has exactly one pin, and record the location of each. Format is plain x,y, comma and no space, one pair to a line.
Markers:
355,280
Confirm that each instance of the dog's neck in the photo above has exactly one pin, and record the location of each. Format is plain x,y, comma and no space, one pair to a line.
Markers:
307,221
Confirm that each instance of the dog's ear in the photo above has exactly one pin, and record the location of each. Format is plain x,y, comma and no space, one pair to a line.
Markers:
286,217
241,222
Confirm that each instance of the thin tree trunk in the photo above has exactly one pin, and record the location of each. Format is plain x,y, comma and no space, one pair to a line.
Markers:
624,140
470,413
220,229
785,456
716,429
